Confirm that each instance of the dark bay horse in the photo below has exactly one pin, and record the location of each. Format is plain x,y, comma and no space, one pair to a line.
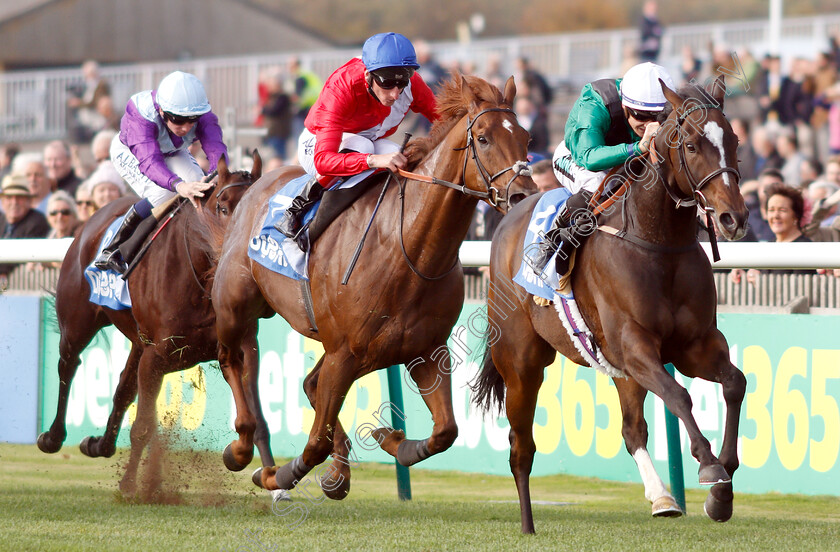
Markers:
407,290
171,325
649,299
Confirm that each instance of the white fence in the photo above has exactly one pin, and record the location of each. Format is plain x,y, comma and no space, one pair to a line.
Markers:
32,103
477,253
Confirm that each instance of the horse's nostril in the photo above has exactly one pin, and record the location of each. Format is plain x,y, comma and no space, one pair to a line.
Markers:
516,198
727,221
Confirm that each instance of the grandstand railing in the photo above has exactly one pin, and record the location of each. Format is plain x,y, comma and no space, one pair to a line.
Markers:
798,293
33,103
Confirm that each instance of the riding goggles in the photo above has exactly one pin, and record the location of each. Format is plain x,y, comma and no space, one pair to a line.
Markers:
180,119
394,80
643,116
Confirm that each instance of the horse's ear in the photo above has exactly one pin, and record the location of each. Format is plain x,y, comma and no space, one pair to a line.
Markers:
222,167
510,91
672,97
256,170
467,92
718,90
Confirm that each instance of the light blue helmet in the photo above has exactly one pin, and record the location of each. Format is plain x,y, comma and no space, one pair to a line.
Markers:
388,50
182,94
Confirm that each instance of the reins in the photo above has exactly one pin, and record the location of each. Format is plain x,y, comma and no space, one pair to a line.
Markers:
491,194
697,199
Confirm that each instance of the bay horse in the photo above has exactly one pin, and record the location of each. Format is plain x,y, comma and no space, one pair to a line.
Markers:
407,290
648,298
171,324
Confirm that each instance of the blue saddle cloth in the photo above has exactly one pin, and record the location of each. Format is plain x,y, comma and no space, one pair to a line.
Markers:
275,251
541,285
107,288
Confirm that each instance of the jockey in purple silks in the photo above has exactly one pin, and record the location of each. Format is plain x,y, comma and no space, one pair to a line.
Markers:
151,154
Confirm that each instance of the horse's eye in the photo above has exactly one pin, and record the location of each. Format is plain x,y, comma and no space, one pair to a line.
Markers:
690,147
223,210
482,140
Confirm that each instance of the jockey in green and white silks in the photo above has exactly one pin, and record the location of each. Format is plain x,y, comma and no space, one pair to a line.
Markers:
613,120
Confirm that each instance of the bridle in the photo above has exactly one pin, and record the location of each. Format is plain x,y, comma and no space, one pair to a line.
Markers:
695,186
490,194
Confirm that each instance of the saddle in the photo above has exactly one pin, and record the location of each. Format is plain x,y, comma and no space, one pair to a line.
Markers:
336,201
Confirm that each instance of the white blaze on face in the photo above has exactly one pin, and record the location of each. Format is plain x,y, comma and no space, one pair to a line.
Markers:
507,124
714,134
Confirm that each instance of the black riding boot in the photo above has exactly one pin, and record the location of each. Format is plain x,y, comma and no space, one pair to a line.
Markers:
290,224
131,246
110,258
562,230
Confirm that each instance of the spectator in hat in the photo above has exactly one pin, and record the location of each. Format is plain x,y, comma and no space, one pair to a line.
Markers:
105,185
22,221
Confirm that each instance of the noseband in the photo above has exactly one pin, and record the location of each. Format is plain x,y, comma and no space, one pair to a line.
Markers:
696,186
518,168
491,194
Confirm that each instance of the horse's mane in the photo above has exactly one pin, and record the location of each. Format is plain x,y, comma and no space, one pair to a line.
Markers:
207,230
452,106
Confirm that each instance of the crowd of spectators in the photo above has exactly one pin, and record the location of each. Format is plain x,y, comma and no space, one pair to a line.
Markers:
785,112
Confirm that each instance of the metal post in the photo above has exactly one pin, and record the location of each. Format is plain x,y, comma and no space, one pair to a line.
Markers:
395,393
675,462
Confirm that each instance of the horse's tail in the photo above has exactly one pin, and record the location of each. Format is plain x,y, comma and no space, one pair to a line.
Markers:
488,389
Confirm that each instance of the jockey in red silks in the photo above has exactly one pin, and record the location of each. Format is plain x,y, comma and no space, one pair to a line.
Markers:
151,154
362,102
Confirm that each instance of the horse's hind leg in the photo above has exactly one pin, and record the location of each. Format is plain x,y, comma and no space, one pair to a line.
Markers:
335,482
631,395
708,358
251,358
150,374
106,445
432,375
338,372
77,331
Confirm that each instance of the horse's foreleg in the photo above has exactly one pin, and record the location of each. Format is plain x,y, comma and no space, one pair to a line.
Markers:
643,363
432,376
106,445
708,359
631,396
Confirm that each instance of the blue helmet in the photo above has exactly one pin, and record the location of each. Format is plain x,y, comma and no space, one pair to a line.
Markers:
388,50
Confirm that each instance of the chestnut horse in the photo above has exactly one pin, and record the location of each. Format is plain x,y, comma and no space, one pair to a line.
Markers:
648,298
170,325
407,290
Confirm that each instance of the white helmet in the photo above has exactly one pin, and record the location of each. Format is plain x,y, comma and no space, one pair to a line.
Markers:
182,94
640,87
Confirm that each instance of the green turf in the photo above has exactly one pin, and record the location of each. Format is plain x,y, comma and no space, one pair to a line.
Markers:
66,501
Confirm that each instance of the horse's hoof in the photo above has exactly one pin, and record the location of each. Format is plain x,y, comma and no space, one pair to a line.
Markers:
230,462
84,446
335,489
46,444
718,505
713,474
256,477
666,506
280,495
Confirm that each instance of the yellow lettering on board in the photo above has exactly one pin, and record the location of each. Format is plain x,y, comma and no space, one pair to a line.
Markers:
790,403
756,450
608,439
547,437
577,392
825,365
